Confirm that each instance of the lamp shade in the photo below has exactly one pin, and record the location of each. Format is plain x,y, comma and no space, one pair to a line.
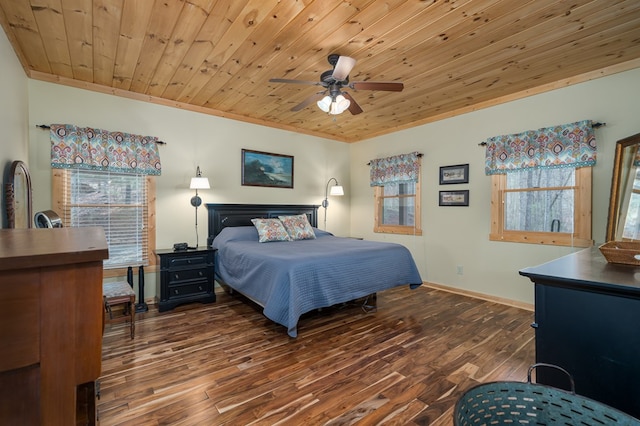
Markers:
340,105
336,190
199,183
334,106
325,103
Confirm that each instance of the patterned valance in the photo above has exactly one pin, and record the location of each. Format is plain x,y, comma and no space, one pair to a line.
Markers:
96,149
397,169
566,145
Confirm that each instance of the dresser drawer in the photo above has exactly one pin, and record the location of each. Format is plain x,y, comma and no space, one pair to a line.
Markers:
178,276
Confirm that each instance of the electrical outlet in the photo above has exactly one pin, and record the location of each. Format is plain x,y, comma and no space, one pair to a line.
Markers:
459,270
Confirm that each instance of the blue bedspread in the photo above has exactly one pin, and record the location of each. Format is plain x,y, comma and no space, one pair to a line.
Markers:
294,277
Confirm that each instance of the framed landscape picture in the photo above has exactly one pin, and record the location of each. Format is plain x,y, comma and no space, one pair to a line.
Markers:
454,198
454,174
267,169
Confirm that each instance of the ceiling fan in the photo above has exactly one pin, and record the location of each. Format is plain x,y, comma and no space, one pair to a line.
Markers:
333,99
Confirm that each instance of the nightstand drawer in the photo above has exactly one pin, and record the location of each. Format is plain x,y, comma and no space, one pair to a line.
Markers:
185,290
192,260
177,276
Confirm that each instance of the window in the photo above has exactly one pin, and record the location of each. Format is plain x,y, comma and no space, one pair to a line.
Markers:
398,208
396,181
122,204
541,185
542,206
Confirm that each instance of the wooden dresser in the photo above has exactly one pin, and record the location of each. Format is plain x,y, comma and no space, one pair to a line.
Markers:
51,319
587,320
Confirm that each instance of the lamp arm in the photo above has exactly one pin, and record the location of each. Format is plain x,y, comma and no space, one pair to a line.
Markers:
325,202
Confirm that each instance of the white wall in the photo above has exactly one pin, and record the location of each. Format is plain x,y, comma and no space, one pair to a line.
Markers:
13,114
454,236
193,140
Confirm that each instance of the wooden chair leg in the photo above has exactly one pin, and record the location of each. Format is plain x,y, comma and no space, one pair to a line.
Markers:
120,293
132,316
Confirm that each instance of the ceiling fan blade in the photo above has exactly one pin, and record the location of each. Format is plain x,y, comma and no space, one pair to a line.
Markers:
286,80
389,86
311,99
354,108
343,67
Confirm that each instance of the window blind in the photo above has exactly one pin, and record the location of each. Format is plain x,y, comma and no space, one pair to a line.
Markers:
117,202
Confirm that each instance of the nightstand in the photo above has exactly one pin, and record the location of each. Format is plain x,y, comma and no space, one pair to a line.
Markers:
185,277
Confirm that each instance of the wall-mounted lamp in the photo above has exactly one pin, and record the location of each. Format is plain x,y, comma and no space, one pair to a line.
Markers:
336,190
334,104
198,182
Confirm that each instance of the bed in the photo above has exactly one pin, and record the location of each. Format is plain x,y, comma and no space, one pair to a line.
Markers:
290,278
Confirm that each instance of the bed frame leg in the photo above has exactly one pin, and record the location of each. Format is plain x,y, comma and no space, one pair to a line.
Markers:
370,303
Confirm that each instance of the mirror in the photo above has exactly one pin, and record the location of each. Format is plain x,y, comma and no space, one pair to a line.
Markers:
18,196
624,205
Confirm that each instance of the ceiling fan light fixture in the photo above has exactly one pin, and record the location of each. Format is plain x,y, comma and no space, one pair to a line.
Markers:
340,105
334,106
325,103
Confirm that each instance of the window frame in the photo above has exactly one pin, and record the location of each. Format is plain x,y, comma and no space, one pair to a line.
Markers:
581,236
379,227
58,181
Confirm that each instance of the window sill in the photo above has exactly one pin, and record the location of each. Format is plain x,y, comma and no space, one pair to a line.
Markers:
402,230
543,238
122,272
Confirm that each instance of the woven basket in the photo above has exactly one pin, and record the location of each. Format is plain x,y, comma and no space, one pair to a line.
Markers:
625,252
517,403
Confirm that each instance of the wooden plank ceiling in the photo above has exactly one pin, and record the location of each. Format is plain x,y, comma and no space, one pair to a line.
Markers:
217,56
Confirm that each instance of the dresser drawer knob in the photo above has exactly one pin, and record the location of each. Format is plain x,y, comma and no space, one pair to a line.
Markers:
200,287
201,274
176,291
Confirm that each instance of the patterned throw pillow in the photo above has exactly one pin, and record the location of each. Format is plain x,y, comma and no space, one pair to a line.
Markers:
298,227
270,230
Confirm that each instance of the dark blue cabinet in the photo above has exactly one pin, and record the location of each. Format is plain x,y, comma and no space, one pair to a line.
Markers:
185,276
587,320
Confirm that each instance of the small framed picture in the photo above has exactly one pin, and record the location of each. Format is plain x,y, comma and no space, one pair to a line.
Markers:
454,198
267,169
454,174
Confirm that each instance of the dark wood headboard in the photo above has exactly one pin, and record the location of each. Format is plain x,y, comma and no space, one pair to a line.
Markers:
223,215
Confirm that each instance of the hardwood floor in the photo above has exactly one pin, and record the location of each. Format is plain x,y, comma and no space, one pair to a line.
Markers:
226,364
